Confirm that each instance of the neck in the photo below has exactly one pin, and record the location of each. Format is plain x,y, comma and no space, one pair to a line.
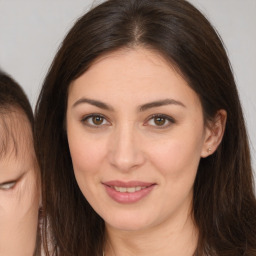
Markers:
173,237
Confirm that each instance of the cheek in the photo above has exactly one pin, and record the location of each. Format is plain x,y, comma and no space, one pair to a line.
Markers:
21,204
19,219
86,153
176,161
177,156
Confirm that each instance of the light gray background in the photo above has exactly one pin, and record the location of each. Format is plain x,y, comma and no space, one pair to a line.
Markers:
31,31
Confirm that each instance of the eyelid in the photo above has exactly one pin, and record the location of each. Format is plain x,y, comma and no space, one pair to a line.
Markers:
86,117
170,119
11,184
8,185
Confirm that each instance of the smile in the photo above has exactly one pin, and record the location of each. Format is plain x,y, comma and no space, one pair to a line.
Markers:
128,192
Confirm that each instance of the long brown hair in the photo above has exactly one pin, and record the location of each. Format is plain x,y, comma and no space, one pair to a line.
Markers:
224,203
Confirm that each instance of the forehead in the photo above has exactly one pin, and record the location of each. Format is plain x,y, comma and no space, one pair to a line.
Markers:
15,134
133,75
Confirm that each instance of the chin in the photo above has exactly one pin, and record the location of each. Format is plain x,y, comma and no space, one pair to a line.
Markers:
127,222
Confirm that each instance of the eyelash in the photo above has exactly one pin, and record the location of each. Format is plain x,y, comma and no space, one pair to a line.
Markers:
169,119
86,121
7,185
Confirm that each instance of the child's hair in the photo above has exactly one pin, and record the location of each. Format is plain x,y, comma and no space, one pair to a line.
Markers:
13,101
12,95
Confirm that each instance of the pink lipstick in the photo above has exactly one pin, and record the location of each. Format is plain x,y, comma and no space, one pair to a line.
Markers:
128,192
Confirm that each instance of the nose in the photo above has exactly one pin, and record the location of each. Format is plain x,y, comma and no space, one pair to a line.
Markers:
125,149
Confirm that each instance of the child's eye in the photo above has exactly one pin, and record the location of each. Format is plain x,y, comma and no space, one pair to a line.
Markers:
160,121
95,120
7,185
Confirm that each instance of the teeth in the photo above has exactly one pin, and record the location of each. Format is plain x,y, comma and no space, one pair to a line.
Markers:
128,190
131,190
122,190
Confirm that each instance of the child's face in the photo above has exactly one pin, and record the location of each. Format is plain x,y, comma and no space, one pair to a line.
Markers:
19,190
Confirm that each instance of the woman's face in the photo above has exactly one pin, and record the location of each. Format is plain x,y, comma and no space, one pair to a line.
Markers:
136,135
19,192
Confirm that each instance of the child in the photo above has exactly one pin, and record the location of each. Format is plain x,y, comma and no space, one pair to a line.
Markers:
19,174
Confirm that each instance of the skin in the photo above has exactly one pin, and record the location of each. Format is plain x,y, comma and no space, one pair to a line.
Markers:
19,195
128,144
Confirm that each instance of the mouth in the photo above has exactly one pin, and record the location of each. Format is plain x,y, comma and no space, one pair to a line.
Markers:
128,189
128,192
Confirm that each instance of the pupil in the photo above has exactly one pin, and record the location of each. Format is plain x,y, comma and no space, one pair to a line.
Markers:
159,121
97,120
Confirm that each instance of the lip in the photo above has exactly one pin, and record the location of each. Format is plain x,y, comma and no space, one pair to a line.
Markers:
128,197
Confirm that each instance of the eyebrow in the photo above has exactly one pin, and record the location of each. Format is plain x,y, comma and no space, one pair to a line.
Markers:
142,108
96,103
160,103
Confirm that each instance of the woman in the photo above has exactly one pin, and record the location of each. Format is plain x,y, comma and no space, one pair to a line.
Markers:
19,174
141,137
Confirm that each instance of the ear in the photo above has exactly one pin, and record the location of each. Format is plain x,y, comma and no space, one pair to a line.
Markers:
214,132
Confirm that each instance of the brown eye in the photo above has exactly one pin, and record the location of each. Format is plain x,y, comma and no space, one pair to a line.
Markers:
97,120
159,121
